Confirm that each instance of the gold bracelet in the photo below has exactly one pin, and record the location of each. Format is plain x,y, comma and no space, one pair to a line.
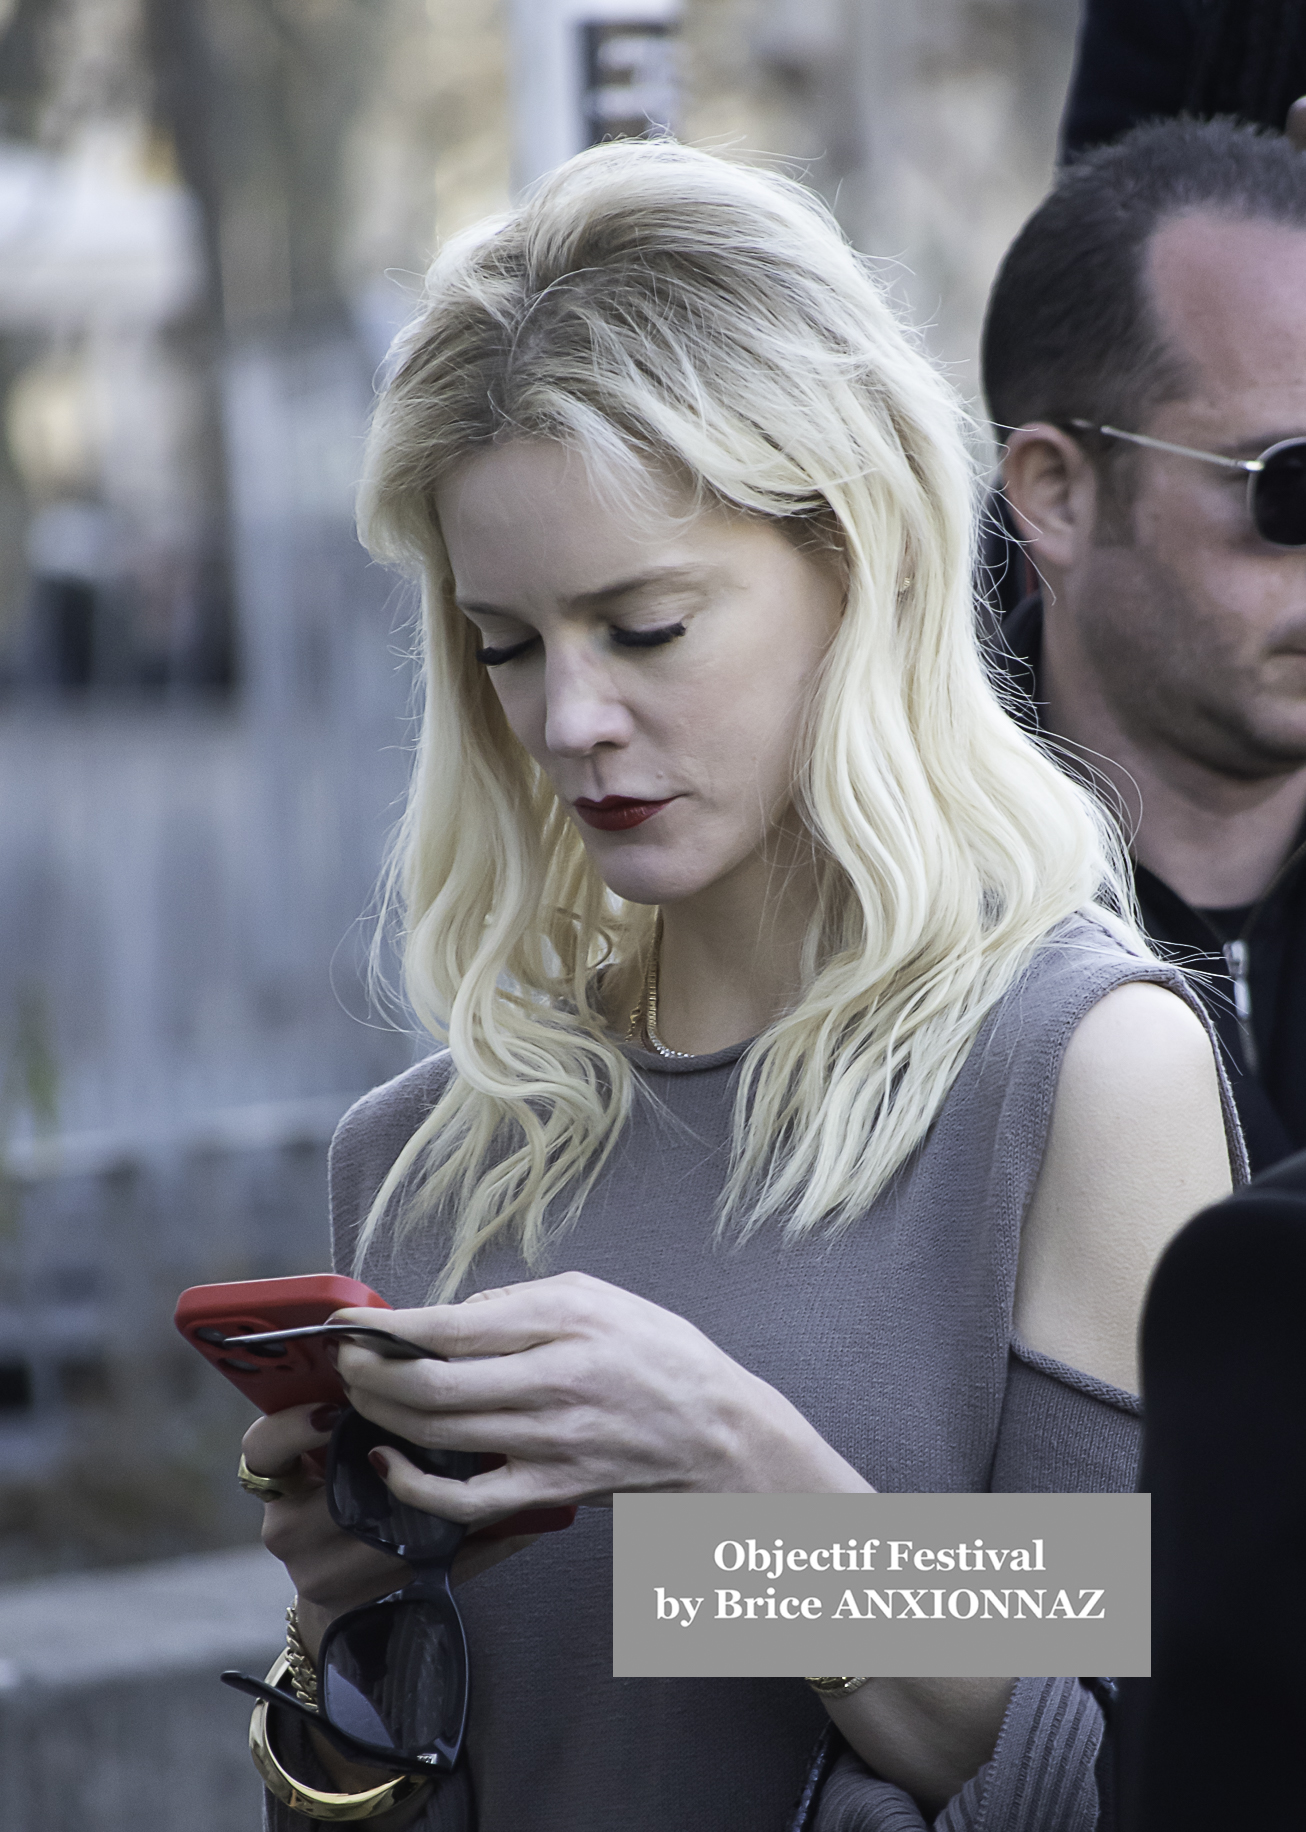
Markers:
311,1801
299,1662
838,1688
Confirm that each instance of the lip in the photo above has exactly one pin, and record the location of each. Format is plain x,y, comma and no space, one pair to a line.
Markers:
616,813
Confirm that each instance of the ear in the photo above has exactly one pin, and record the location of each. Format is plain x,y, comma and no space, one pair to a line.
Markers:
1052,487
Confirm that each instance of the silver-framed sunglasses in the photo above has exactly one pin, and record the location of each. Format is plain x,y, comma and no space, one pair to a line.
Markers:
1276,481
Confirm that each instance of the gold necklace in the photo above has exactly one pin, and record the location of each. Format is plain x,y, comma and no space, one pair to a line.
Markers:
644,1018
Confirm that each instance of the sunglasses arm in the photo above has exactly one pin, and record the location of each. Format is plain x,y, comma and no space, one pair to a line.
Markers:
345,1745
383,1342
1164,445
273,1695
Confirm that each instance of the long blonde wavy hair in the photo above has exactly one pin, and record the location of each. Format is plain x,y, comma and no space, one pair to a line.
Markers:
666,312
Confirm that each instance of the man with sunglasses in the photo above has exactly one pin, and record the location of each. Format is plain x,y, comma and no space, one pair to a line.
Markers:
1145,366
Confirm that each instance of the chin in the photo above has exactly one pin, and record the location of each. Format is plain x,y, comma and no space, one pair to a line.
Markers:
1265,741
648,880
649,888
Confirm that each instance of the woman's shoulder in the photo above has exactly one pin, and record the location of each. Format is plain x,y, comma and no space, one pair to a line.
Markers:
1093,942
396,1108
1021,1047
1140,1139
372,1134
1076,964
1000,1106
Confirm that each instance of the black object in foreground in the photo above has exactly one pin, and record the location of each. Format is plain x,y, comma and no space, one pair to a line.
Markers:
1211,1741
1145,60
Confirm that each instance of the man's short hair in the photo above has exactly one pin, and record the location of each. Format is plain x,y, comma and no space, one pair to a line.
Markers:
1070,332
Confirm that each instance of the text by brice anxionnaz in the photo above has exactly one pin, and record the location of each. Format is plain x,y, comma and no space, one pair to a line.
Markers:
885,1600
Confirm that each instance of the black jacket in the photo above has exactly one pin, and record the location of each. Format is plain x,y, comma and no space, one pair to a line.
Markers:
1207,1744
1141,60
1271,1091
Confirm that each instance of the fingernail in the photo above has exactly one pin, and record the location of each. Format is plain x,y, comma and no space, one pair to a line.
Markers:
380,1463
323,1418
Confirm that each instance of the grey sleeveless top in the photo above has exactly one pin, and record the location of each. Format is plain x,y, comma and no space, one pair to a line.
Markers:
894,1339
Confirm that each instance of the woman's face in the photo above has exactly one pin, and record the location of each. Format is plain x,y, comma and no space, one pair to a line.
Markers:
655,665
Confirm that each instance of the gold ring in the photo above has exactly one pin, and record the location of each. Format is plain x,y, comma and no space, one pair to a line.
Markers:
269,1488
311,1801
838,1687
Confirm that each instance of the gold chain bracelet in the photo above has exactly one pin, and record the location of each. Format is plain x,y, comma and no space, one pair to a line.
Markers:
299,1662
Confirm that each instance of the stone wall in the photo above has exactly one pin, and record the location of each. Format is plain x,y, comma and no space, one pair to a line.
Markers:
126,1449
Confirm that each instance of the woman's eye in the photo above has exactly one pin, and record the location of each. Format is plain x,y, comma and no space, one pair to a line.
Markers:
647,639
491,658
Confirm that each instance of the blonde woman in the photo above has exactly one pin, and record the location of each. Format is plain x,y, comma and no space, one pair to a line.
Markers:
805,1122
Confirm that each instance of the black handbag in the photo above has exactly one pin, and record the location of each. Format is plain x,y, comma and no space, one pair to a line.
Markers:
828,1746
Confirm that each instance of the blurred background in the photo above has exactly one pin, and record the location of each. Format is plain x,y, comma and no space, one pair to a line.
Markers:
213,218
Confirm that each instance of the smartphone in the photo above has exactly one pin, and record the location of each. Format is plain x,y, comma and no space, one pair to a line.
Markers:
286,1364
278,1373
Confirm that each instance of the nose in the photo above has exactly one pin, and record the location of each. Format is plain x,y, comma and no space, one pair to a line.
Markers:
583,711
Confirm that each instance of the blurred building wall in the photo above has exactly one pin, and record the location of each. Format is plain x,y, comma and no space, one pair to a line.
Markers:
930,128
587,70
185,867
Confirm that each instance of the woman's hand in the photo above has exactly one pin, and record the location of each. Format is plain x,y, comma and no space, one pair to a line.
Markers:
331,1570
585,1389
928,1736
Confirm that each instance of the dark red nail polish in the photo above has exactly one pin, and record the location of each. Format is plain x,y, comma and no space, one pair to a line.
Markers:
323,1418
380,1462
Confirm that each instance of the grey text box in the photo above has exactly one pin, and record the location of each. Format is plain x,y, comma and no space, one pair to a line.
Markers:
758,1586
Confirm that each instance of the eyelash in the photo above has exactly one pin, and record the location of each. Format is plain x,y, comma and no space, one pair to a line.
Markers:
624,639
491,658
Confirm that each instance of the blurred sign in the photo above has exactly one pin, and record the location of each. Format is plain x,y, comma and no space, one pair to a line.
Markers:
589,70
630,78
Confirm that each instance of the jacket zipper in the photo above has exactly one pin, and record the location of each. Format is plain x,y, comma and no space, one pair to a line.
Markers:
1238,963
1237,956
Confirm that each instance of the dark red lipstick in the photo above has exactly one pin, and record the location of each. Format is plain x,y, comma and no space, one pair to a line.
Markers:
615,812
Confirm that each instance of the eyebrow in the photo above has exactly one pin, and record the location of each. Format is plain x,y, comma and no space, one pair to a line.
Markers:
1252,448
683,578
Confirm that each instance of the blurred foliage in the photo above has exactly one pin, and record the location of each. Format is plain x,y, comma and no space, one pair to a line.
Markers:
29,1086
92,1515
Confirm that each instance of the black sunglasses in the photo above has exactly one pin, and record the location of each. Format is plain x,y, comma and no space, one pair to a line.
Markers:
1276,481
392,1676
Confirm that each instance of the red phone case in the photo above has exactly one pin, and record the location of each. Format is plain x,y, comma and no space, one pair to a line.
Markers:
301,1373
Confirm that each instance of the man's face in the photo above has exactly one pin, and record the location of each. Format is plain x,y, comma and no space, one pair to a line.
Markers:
1196,627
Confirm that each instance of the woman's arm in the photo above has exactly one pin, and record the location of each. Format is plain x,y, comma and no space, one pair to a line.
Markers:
333,1572
1136,1146
586,1388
